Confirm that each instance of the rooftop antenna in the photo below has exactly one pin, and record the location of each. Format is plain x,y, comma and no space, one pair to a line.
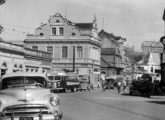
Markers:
66,10
102,23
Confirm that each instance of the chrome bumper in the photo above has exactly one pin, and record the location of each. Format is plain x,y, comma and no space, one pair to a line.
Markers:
34,117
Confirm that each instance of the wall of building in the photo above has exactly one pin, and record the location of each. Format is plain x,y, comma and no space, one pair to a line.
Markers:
74,35
112,53
15,58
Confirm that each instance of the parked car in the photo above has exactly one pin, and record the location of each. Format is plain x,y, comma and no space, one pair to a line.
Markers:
109,83
84,86
24,96
142,86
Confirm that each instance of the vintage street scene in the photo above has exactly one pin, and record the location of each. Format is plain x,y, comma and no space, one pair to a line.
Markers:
82,59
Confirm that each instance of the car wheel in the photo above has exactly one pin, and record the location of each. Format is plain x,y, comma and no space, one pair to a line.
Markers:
64,90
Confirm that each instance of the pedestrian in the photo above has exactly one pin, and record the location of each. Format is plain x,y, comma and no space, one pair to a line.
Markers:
155,89
119,86
103,78
124,85
88,85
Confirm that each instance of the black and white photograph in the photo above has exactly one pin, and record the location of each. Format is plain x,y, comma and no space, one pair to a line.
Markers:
82,59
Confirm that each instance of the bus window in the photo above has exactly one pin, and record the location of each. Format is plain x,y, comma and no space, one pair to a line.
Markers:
58,77
50,77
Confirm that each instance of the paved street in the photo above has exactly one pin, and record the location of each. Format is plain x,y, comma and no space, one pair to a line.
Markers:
108,105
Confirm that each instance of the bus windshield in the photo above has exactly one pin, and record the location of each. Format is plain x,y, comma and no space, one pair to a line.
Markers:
55,77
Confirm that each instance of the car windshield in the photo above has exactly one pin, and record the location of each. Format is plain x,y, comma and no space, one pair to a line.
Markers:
22,81
146,76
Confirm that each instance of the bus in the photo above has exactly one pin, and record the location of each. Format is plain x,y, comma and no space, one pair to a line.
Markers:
61,81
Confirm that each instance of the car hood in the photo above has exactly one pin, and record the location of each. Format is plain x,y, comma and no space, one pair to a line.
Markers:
25,96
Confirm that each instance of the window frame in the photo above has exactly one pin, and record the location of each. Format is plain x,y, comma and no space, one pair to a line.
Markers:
53,30
78,53
52,49
61,30
66,52
35,46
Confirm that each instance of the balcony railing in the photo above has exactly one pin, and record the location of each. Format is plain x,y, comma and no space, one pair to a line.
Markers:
77,60
32,37
36,53
12,47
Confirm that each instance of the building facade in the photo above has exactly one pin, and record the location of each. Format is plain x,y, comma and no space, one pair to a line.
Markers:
15,58
150,63
111,53
74,46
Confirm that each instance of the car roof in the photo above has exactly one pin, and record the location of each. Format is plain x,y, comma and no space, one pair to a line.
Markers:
14,74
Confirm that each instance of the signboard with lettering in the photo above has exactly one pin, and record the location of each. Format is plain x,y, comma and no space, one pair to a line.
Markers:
152,47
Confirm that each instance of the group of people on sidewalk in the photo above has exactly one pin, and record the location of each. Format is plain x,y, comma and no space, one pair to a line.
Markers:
120,83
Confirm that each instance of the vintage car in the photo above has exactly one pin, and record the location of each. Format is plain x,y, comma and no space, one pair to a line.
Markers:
24,96
142,86
109,83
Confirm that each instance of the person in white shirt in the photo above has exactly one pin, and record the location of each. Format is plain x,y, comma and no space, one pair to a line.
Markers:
103,78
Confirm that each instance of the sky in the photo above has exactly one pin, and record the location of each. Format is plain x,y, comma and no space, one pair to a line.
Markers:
135,20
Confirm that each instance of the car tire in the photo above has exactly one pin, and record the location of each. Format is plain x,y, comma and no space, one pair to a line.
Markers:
64,90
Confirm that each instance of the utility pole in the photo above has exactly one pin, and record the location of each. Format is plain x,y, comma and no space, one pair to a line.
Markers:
162,55
73,58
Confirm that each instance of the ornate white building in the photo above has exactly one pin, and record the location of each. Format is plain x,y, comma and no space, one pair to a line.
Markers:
151,63
74,46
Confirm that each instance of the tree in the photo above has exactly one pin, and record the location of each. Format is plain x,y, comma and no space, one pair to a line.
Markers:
137,56
2,2
1,29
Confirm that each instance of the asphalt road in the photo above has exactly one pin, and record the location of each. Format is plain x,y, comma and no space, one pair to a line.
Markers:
109,105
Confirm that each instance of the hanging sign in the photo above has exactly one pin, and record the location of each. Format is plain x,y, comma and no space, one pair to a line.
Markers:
152,47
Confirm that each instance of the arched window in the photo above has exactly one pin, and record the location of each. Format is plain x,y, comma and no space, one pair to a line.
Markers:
73,34
41,34
57,21
21,66
27,69
4,65
15,65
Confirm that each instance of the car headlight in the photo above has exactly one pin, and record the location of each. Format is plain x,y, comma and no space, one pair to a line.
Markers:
54,101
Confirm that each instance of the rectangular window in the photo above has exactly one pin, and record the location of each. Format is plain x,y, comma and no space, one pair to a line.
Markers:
64,51
152,69
61,31
53,31
50,49
79,52
35,47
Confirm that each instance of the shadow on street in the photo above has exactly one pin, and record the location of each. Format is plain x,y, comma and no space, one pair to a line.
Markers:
157,102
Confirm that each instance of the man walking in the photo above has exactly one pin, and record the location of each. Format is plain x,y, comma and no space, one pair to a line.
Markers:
103,78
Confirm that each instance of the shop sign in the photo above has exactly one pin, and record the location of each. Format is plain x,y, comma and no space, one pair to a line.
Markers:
152,47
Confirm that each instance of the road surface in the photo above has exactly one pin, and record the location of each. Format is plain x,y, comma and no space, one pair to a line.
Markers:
109,105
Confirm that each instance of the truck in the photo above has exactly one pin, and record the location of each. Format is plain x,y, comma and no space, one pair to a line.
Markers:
62,82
